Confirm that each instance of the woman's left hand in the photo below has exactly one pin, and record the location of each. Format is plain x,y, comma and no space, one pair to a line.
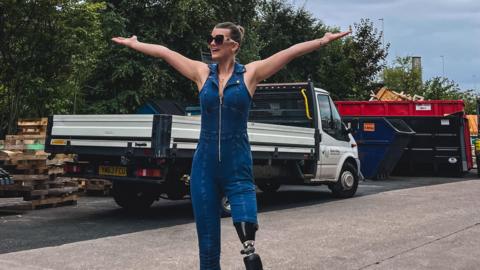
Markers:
329,37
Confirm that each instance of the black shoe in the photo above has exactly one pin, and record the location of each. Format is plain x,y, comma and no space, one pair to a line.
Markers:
253,262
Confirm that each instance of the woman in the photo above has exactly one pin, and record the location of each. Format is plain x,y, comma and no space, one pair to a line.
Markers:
222,162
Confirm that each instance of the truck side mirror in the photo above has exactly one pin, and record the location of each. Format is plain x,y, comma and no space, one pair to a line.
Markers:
346,129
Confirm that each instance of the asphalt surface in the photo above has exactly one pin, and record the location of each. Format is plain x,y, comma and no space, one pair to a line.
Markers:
400,223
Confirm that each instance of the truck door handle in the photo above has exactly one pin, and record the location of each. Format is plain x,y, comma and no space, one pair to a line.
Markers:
140,144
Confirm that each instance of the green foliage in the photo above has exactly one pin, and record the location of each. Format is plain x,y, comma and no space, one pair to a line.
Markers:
47,50
439,88
347,68
402,77
281,25
125,79
366,58
56,56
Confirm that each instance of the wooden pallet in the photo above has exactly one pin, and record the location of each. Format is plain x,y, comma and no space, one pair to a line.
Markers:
24,142
98,187
81,183
60,160
41,191
14,156
35,176
27,169
35,187
54,202
33,121
23,153
24,162
36,126
25,137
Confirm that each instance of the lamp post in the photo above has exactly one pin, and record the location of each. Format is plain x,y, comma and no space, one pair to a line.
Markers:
383,32
443,65
383,47
474,83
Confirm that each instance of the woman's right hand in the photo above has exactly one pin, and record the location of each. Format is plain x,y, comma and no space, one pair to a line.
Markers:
125,41
192,69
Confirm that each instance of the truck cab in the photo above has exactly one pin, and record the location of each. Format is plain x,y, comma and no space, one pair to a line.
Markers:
306,106
337,144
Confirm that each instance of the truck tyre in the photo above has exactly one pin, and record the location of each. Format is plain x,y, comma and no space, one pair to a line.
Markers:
347,182
225,206
175,188
132,197
269,187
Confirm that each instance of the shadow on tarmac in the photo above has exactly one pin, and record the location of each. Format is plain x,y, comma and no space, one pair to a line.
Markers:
97,217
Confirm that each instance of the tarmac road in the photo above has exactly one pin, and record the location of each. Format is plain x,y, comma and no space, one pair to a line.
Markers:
400,223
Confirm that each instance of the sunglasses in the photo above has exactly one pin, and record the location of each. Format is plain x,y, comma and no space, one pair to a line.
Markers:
219,39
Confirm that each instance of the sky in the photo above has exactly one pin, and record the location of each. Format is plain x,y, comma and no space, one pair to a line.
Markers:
444,33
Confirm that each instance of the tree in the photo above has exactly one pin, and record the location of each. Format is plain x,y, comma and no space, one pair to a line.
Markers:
125,79
281,25
56,55
441,88
347,68
401,77
45,54
366,56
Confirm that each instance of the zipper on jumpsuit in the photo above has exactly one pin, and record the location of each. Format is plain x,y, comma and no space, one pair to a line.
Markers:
220,129
220,98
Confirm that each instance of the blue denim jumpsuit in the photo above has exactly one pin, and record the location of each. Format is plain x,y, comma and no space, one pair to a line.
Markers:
222,163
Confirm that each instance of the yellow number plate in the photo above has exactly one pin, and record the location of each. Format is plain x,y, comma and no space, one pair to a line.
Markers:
112,170
58,142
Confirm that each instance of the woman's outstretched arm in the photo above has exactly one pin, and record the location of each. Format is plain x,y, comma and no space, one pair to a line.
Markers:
193,70
263,69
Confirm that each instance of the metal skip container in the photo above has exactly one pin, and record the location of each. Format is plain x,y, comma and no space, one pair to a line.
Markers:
381,143
441,144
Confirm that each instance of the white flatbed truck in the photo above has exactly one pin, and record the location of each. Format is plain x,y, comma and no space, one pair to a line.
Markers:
295,132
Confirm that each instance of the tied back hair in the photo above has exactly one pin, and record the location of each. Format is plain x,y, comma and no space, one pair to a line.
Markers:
237,32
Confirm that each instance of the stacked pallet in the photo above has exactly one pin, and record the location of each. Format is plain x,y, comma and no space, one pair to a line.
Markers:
90,187
55,164
35,179
55,168
24,162
42,190
23,153
37,126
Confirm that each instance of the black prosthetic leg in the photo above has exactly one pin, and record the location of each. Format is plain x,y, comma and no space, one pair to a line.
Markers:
246,233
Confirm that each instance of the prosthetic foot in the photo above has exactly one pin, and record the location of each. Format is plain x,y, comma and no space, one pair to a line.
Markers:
246,233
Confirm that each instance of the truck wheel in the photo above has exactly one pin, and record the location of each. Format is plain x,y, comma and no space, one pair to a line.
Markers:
347,182
226,208
175,188
269,187
132,197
